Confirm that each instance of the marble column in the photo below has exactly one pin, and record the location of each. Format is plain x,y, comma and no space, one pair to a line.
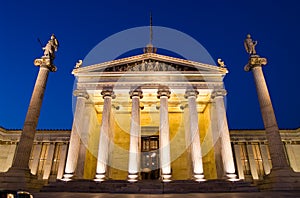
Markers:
19,176
194,138
222,126
164,137
74,144
216,136
282,177
62,161
252,163
277,153
84,135
135,135
22,154
103,150
265,158
36,158
49,161
240,170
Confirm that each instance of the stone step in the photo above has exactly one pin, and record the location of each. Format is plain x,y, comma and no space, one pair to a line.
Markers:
151,187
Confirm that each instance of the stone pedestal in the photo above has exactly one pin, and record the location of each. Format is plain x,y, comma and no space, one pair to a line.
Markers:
19,176
282,177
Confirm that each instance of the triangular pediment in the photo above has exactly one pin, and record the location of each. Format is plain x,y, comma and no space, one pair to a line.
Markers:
150,62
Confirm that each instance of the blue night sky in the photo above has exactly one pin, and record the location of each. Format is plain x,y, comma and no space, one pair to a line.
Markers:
219,25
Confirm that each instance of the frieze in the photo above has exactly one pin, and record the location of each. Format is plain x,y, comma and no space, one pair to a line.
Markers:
149,65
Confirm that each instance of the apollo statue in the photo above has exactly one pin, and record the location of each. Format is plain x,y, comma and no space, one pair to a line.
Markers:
250,45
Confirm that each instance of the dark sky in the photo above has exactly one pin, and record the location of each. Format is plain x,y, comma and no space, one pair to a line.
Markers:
219,25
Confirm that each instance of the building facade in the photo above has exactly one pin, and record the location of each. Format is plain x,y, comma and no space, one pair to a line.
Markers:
49,152
150,117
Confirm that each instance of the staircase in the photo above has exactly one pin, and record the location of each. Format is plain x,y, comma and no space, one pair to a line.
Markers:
149,186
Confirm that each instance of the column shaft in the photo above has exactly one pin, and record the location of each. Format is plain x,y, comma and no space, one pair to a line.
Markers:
48,163
103,150
74,144
217,142
135,133
84,135
277,153
226,151
194,136
164,139
36,158
22,155
62,161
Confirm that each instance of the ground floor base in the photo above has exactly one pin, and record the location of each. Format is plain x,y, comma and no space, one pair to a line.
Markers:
149,186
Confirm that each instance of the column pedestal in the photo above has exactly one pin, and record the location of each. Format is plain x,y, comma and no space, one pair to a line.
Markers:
282,177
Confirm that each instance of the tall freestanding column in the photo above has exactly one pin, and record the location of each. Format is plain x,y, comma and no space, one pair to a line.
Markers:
282,176
194,138
164,137
102,160
74,145
135,134
22,155
223,131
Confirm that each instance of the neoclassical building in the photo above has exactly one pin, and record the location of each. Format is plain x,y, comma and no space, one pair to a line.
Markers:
150,117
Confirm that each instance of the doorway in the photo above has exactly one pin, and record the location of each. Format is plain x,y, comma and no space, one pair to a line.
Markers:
150,157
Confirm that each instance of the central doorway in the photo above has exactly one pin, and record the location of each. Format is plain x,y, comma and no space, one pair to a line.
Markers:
150,157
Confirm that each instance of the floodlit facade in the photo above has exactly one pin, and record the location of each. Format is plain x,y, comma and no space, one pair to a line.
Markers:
150,117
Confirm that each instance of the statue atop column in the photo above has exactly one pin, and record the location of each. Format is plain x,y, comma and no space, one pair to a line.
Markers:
49,54
250,45
51,47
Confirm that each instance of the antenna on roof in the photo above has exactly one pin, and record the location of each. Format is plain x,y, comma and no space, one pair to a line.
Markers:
149,48
151,30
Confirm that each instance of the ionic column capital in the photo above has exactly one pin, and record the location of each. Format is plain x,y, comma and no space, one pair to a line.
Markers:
108,92
45,62
255,61
136,93
218,93
81,93
163,92
191,93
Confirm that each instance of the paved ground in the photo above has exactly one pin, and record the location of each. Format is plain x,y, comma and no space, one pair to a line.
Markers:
197,195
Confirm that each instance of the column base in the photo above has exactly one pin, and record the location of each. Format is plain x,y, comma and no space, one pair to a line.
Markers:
132,177
20,179
199,177
280,180
100,177
231,177
67,177
166,178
